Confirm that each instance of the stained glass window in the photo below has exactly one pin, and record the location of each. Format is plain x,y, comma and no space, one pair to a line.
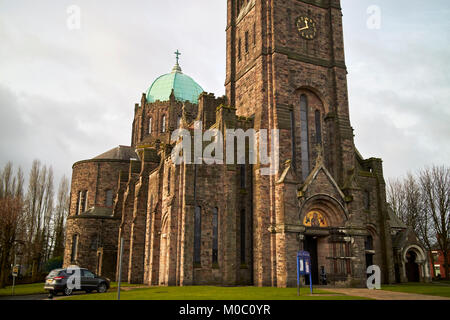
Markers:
197,234
318,128
304,141
243,235
215,244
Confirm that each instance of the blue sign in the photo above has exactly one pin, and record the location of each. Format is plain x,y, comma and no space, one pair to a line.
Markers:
303,268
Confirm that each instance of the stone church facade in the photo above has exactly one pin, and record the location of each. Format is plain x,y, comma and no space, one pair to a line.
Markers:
190,224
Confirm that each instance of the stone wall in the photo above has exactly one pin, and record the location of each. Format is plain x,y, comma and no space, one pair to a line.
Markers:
96,228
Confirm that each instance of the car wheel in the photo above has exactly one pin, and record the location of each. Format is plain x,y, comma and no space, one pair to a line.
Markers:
67,291
102,287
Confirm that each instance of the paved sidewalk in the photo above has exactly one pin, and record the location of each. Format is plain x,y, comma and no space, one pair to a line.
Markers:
383,295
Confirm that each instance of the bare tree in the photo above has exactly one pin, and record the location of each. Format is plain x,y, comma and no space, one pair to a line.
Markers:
39,207
32,220
435,185
397,199
11,214
60,216
407,200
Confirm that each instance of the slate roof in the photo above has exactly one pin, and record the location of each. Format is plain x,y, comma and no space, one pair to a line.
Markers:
118,153
395,222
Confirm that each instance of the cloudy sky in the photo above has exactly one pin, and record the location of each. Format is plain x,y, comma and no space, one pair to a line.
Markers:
68,94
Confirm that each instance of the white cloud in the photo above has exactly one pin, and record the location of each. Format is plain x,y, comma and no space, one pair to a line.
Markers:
69,95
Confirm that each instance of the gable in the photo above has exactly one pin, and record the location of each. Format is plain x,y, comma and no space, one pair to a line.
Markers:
320,181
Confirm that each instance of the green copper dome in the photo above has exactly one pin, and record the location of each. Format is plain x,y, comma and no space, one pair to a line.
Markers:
184,87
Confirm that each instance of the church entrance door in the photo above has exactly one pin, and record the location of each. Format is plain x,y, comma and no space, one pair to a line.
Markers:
412,268
311,247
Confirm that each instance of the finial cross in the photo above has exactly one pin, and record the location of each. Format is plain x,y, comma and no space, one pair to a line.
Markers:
178,54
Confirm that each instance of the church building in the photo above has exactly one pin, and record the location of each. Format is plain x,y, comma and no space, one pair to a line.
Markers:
228,224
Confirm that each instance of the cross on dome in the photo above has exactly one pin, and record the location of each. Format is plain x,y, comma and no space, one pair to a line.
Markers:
177,67
178,54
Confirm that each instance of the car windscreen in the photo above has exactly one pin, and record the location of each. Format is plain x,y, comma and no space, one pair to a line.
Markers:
54,273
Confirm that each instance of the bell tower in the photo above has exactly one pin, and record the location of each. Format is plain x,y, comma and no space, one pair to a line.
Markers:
279,50
286,69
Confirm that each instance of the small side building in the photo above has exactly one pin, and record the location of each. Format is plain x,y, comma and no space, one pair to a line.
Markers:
92,228
410,258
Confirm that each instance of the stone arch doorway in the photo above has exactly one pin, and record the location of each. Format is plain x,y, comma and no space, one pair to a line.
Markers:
414,262
323,217
412,268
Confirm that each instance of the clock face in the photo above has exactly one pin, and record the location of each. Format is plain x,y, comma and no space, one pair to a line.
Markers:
307,28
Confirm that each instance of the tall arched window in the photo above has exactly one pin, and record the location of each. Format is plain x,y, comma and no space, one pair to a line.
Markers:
304,143
293,143
239,48
73,254
318,128
168,180
243,235
109,198
77,210
150,126
366,200
369,242
82,203
197,235
246,42
242,176
215,238
163,124
369,250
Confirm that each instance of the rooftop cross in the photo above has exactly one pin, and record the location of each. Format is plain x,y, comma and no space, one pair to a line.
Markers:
178,54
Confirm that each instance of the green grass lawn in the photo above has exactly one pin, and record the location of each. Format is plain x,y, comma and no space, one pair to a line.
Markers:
23,289
214,293
440,289
38,288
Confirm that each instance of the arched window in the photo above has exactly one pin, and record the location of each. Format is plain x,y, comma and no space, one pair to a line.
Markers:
95,242
318,128
150,126
86,201
109,198
293,143
369,243
246,41
242,175
73,254
77,210
168,180
366,200
84,207
369,250
82,202
239,48
304,142
215,238
163,124
243,235
197,235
